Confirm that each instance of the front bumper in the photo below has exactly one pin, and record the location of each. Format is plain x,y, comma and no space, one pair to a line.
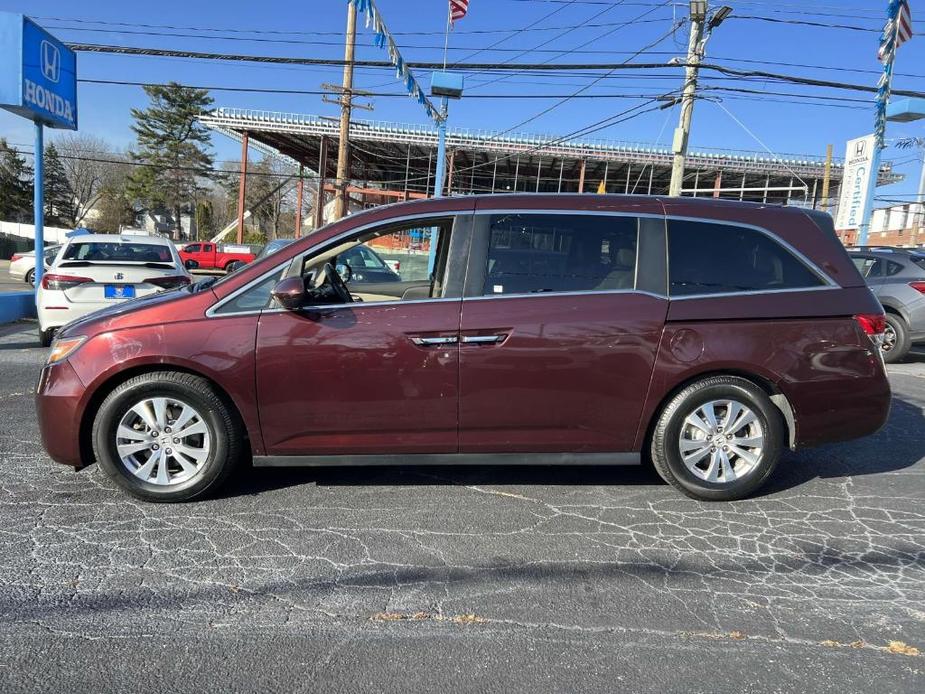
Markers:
58,404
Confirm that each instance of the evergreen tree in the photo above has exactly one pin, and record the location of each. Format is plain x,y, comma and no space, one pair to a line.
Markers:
173,148
59,198
15,186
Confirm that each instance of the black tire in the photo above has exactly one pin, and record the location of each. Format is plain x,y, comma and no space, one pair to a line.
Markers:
46,336
30,277
221,421
898,348
665,449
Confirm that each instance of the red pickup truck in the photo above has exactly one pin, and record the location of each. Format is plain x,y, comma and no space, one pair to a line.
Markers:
211,256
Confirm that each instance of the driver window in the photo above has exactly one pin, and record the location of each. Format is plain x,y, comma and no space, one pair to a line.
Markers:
392,263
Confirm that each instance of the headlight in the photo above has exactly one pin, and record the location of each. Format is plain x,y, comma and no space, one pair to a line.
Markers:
62,349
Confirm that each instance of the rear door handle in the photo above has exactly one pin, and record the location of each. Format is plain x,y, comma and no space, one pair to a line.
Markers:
482,339
431,341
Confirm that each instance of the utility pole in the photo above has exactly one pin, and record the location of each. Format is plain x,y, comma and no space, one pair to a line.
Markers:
343,145
826,178
695,49
682,133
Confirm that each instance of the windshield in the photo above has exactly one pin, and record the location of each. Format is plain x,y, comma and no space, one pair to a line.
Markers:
118,252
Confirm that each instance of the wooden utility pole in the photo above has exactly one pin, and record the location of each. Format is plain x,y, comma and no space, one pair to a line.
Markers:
682,133
826,177
298,204
242,187
322,174
343,145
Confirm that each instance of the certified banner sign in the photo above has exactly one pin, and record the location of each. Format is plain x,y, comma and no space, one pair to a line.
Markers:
855,182
39,75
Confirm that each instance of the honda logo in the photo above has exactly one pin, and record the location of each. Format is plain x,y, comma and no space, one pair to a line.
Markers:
859,148
51,61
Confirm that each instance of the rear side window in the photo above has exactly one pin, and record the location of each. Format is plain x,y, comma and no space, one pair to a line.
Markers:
539,253
867,266
893,268
708,258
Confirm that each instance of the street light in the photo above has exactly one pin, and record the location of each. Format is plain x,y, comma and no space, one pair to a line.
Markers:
718,17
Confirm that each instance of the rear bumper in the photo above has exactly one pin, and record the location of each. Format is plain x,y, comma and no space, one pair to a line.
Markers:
57,401
852,404
58,313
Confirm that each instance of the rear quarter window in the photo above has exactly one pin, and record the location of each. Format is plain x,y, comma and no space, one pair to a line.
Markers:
711,258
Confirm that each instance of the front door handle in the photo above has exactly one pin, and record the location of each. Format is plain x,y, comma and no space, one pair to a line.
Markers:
482,339
430,341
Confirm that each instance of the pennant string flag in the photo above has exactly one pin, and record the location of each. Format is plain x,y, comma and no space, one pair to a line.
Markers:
383,39
896,31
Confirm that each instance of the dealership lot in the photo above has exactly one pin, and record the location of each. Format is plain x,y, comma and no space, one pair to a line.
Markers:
487,579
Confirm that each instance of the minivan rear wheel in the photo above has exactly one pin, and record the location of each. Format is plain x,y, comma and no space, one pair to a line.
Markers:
166,436
896,343
719,439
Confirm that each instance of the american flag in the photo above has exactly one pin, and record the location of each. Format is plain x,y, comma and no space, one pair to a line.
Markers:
903,27
458,9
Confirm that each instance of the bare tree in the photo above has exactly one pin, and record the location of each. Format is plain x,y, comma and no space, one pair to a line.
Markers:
86,165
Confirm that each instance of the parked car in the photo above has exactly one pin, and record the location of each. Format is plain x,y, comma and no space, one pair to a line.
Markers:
706,334
212,256
897,278
22,265
98,270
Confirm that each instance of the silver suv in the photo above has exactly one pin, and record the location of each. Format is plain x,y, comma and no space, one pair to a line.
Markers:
897,277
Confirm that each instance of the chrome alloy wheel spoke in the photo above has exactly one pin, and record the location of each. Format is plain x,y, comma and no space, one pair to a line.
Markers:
163,441
721,441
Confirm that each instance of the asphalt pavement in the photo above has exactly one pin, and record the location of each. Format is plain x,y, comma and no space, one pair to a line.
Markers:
473,579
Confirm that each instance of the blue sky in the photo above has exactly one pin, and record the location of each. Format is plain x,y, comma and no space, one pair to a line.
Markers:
783,124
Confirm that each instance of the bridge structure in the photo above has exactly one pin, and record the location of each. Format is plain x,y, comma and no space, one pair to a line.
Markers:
395,161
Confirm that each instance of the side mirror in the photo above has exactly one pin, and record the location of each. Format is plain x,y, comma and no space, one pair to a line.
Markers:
190,264
290,293
345,272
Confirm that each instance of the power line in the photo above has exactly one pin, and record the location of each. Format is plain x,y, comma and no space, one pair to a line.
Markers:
302,42
583,89
321,92
522,67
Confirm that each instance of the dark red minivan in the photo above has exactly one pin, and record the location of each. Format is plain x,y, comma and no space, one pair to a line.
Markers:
538,329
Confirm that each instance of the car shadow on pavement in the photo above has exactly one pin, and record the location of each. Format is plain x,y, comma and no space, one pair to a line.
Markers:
864,456
258,480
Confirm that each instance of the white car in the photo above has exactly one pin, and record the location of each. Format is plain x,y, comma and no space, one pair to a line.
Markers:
22,265
97,270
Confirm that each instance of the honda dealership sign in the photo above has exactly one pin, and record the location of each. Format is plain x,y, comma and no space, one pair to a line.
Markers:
855,182
38,79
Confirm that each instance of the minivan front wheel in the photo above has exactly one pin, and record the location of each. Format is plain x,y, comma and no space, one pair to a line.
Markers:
718,439
166,436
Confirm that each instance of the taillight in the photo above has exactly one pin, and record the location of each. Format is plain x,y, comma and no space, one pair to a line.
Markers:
62,282
918,286
873,325
15,257
170,282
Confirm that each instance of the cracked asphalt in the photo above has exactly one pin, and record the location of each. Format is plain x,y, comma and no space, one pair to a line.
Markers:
464,579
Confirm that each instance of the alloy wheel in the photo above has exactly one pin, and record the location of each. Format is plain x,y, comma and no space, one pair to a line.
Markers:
889,339
721,441
163,441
